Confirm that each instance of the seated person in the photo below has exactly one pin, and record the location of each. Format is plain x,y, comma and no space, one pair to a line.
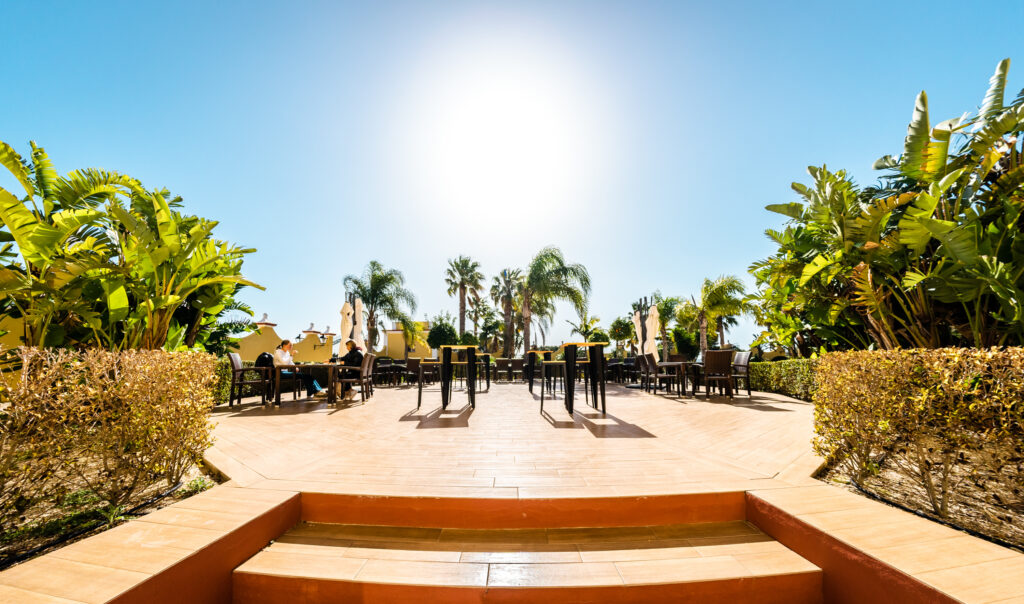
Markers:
283,356
352,358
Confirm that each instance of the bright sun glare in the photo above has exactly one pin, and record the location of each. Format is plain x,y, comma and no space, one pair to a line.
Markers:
502,119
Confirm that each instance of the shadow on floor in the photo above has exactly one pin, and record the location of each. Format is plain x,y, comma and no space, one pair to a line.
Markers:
594,421
440,418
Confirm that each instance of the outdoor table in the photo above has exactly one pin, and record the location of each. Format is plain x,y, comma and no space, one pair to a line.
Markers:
446,373
424,364
332,369
682,368
531,364
595,373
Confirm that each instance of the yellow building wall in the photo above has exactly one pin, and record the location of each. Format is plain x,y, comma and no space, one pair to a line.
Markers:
265,339
394,347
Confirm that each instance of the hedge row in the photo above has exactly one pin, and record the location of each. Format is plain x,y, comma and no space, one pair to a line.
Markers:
793,377
938,417
114,423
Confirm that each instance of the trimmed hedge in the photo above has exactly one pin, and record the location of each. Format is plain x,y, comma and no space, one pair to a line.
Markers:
940,418
114,423
793,377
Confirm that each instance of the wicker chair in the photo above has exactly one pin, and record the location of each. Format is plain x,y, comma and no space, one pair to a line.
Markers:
239,380
741,370
515,368
718,369
412,371
361,376
502,369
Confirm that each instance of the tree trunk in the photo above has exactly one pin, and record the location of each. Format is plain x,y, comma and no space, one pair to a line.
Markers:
462,310
371,331
526,323
666,347
703,333
510,334
721,333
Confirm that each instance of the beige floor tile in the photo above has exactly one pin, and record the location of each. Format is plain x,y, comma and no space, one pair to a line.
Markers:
294,564
680,570
554,575
423,573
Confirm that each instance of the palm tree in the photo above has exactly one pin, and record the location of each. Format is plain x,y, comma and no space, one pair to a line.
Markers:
506,291
586,326
463,275
666,311
384,295
479,311
720,301
550,278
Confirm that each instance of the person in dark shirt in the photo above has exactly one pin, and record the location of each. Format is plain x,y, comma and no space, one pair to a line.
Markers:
352,358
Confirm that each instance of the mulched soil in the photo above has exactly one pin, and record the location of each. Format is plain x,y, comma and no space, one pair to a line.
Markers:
46,524
989,504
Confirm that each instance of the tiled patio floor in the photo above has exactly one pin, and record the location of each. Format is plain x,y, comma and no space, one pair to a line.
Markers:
646,445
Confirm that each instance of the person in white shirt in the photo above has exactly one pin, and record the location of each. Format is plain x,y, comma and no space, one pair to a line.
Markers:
283,356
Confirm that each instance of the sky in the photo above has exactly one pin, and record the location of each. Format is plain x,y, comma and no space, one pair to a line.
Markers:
642,138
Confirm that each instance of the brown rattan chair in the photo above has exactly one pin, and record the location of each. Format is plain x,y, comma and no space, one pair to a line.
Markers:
718,369
412,370
242,376
741,370
515,368
502,369
361,376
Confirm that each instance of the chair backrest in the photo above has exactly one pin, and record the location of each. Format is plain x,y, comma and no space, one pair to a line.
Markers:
236,361
741,359
718,362
517,364
649,362
367,368
501,364
412,365
264,360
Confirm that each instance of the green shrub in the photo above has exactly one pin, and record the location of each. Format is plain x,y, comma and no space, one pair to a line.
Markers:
468,339
686,342
222,383
927,411
442,334
793,377
598,336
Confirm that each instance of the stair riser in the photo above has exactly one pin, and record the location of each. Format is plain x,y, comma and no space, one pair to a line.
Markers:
796,588
598,512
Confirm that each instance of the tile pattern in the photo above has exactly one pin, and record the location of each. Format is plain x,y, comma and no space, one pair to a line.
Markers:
313,553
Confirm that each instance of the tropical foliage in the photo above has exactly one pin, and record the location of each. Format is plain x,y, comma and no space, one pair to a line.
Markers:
721,301
506,293
384,294
550,278
932,256
621,331
92,258
463,277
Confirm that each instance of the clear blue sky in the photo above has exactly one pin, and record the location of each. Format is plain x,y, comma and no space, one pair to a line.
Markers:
643,138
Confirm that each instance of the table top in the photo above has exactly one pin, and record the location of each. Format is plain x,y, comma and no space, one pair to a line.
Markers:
602,344
458,346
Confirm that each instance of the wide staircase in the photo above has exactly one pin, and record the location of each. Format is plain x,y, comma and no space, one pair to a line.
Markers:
727,561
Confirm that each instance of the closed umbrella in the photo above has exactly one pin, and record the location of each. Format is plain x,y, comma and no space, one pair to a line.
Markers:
346,327
357,331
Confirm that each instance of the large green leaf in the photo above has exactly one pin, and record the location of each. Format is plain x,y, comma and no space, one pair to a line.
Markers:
45,173
20,222
117,300
993,103
792,209
819,263
10,159
915,145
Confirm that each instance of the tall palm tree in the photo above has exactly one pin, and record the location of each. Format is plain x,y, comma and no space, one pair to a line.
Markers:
463,276
550,278
666,312
384,294
506,291
586,326
720,301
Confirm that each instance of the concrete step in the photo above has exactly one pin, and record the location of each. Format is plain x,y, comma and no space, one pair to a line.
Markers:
702,562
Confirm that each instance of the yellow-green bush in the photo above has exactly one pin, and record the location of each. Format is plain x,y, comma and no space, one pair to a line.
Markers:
925,411
794,377
112,422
